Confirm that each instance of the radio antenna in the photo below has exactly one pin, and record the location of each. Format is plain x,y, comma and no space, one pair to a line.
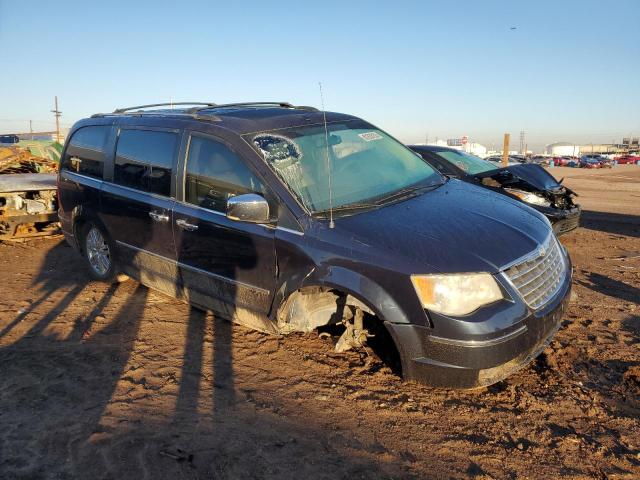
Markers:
326,143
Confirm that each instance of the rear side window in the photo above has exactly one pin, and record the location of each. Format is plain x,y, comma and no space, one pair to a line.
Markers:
215,173
144,160
86,151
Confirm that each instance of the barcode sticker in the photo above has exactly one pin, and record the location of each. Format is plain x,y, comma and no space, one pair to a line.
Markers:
370,136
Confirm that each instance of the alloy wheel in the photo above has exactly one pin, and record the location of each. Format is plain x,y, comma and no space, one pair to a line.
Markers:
98,252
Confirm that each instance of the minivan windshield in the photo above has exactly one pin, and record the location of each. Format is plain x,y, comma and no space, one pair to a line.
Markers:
465,161
368,168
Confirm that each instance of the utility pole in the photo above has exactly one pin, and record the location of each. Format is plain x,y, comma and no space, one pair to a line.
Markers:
57,114
505,150
522,148
31,128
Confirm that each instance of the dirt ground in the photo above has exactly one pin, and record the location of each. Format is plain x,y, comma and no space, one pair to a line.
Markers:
110,382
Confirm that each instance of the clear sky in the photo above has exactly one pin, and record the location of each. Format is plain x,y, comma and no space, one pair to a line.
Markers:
570,70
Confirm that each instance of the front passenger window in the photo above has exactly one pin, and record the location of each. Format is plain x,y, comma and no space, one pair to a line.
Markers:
215,173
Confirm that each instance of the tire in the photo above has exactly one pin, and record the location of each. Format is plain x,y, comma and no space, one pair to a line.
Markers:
99,250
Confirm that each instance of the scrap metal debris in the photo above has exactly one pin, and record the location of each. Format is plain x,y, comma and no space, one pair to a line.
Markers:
28,203
16,159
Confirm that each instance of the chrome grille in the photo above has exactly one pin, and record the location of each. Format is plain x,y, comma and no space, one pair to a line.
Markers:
539,277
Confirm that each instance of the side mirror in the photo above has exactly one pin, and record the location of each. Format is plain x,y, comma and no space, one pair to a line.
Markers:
248,207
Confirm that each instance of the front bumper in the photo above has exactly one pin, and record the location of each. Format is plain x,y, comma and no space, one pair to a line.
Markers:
452,363
562,221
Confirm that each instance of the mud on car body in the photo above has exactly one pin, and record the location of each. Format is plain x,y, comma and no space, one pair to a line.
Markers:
529,183
283,219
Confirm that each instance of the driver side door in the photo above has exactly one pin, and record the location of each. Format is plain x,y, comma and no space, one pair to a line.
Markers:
223,264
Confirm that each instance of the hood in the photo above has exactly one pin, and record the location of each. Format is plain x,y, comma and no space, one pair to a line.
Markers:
457,227
531,173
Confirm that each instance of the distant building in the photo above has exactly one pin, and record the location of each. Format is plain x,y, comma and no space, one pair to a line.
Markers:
476,149
462,144
606,148
562,149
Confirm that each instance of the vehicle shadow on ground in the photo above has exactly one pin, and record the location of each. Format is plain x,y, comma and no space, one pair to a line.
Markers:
80,424
614,223
50,279
611,287
632,325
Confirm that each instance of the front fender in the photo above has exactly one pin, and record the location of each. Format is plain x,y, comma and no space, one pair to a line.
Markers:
350,282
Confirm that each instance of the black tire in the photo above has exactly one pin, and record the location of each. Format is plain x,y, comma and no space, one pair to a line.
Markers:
99,253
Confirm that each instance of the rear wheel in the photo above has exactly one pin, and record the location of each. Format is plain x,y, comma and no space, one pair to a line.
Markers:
99,253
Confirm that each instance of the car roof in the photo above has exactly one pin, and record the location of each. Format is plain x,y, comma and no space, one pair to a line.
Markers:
433,148
239,118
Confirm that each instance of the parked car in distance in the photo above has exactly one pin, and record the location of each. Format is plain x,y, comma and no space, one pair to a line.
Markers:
529,183
561,161
593,161
9,138
539,159
288,219
628,160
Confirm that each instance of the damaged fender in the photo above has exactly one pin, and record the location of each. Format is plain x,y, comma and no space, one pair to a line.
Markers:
312,302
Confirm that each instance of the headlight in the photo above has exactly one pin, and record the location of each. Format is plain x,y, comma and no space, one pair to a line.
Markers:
457,294
528,197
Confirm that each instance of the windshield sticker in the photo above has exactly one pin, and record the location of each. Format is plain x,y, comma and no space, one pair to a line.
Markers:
370,136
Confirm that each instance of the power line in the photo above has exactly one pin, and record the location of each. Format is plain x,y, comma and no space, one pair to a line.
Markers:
57,113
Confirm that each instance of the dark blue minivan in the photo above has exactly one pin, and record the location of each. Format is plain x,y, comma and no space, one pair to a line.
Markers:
288,219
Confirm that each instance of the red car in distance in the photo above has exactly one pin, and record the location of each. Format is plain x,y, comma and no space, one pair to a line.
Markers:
628,160
563,161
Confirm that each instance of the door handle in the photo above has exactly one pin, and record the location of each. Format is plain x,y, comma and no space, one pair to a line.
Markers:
182,223
159,217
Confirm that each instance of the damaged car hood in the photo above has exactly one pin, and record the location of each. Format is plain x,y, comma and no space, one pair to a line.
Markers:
455,228
533,174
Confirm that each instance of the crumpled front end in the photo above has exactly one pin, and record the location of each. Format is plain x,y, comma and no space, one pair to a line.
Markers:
537,188
28,206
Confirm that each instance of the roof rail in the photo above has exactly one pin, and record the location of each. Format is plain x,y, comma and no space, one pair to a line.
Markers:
251,104
170,104
199,107
241,104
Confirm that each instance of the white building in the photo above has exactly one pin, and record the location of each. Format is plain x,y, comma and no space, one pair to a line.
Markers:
561,149
472,148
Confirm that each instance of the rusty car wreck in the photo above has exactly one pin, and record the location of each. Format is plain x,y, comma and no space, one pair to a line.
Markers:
28,196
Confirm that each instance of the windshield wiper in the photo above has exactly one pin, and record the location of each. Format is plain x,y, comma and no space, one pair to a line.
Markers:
349,207
398,195
408,192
